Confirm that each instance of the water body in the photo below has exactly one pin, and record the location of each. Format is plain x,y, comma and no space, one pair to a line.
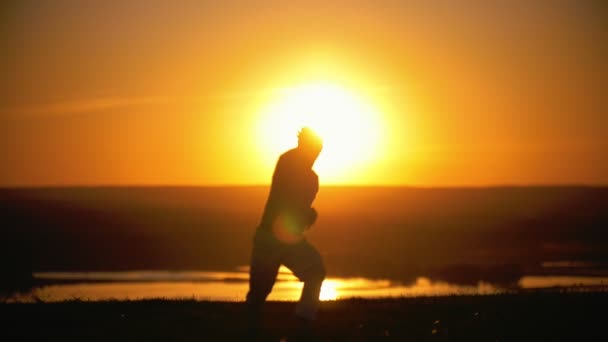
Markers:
232,286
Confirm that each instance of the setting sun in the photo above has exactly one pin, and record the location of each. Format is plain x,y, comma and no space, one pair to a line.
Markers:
351,128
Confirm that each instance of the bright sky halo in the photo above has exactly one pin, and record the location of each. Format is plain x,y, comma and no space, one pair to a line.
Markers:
349,125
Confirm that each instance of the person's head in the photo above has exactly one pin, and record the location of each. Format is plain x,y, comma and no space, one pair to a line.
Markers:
310,143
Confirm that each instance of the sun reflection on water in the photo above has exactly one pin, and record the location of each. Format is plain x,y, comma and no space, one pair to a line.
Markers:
329,290
233,286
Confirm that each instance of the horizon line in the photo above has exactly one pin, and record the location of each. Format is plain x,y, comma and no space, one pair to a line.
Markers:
258,185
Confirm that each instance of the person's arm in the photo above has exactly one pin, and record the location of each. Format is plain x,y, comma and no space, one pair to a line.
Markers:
311,218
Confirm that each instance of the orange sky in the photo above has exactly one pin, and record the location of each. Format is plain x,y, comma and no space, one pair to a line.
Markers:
163,92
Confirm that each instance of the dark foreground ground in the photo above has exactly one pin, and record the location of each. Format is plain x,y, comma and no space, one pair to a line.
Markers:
546,316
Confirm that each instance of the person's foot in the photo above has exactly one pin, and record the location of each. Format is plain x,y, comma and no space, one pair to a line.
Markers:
253,326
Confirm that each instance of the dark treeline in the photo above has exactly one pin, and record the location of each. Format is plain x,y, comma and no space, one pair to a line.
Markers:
460,235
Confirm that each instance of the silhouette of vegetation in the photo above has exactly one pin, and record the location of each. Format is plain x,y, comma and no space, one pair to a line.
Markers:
533,316
459,235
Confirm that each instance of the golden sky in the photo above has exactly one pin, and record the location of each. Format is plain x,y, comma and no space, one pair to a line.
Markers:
178,92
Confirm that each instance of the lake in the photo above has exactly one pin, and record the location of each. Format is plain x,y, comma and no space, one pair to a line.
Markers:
232,286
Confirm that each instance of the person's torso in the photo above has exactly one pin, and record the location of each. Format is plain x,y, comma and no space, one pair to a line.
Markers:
292,192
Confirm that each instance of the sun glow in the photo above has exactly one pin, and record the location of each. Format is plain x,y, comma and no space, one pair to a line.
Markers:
349,126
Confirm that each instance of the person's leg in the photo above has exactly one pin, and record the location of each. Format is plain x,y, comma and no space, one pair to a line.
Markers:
306,264
263,270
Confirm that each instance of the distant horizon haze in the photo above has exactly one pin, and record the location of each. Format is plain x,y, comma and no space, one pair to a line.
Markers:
331,185
463,234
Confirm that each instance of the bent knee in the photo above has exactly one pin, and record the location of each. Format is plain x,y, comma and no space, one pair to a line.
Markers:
316,274
322,273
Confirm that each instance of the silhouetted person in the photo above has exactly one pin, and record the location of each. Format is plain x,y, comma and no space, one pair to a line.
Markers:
279,239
